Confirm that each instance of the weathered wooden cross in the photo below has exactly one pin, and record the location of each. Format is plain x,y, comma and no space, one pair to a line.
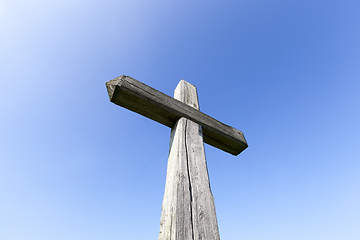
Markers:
188,210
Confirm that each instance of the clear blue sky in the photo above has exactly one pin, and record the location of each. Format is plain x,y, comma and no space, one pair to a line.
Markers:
286,73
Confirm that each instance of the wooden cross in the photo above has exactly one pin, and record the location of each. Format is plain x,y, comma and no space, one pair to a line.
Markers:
188,210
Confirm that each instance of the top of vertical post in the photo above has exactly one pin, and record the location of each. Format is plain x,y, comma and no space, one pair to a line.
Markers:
186,92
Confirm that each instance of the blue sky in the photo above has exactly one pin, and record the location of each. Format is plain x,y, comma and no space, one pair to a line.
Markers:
286,73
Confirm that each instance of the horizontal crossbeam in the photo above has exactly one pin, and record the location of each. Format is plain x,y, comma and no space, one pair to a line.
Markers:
149,102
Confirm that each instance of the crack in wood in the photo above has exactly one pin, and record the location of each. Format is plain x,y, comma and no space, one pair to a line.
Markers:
189,178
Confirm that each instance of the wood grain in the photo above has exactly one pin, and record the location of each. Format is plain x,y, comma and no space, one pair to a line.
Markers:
149,102
188,210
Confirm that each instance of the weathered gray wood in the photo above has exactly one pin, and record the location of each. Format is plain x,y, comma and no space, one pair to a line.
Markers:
176,214
140,98
188,211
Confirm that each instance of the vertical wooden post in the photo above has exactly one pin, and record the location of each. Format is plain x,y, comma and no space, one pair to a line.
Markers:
188,210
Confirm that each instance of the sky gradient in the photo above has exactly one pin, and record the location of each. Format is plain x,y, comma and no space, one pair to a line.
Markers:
285,73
